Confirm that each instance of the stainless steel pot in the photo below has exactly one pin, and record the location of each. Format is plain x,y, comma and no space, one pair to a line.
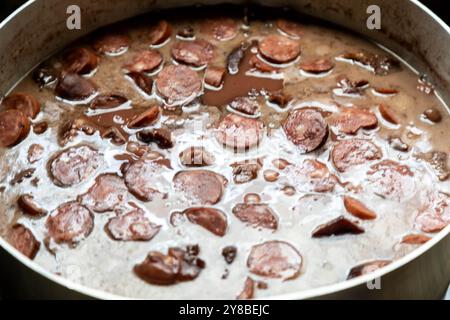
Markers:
38,28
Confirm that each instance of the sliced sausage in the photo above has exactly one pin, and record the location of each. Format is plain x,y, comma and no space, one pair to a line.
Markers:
196,157
144,61
246,171
200,186
195,53
145,118
177,265
275,259
143,179
74,165
337,227
23,102
24,241
160,32
132,226
317,66
415,239
279,49
350,120
271,175
221,29
72,86
108,101
349,153
112,44
29,206
239,133
108,191
40,127
358,209
213,220
256,63
161,136
379,64
245,105
178,84
70,223
80,61
311,175
386,91
391,180
214,76
290,28
248,290
257,215
388,114
366,268
435,215
14,127
350,87
142,81
35,153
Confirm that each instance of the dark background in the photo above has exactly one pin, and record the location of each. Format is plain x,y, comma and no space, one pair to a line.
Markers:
440,7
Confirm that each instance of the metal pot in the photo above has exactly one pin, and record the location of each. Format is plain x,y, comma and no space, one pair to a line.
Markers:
38,28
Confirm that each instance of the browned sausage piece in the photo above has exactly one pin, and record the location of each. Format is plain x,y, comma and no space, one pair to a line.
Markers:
115,135
143,179
178,84
74,87
349,153
35,153
214,76
306,128
380,64
29,206
200,186
246,171
69,130
112,44
45,75
108,191
388,114
22,102
195,53
161,136
70,223
160,32
279,98
256,63
433,115
229,253
80,61
415,239
132,226
290,28
367,268
317,66
257,215
221,29
311,175
275,259
196,157
74,165
248,290
436,214
14,127
177,266
337,227
239,133
108,101
245,105
350,120
358,209
391,180
24,241
40,127
142,81
279,49
213,220
386,91
145,119
144,61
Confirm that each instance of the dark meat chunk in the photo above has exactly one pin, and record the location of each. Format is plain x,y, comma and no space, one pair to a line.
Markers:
74,87
108,101
229,253
433,115
213,220
14,127
29,206
245,105
337,227
162,137
378,64
160,32
80,61
23,102
257,215
24,241
214,76
358,209
142,81
146,118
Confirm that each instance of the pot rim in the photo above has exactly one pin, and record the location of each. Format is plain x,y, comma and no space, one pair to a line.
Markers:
304,294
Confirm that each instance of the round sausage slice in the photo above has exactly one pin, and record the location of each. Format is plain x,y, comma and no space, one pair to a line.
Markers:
195,53
221,29
144,180
311,175
24,241
349,153
74,87
436,214
239,133
279,49
350,120
108,191
317,66
213,220
178,84
132,226
275,259
306,128
258,215
22,102
14,127
112,44
74,165
200,186
70,223
144,61
160,32
290,28
80,61
28,204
